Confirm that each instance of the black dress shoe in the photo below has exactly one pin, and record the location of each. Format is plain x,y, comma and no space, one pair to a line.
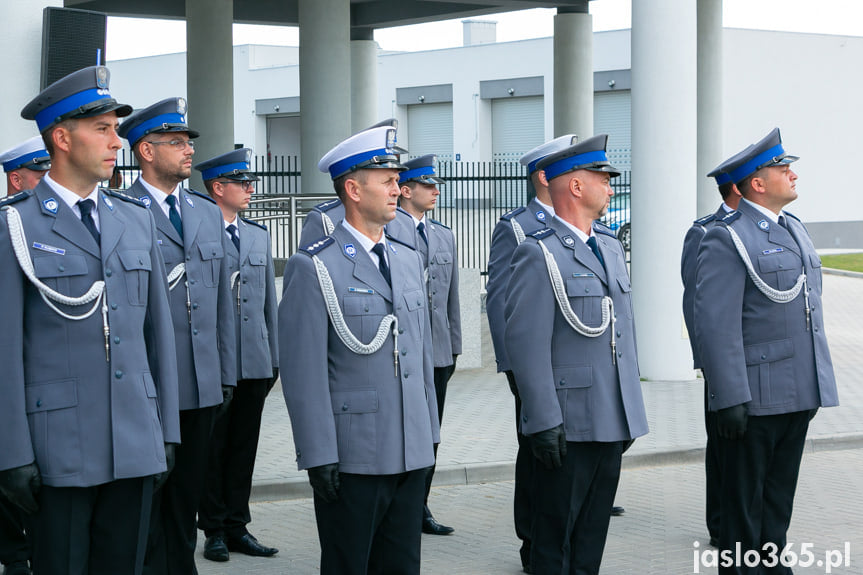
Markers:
17,568
714,541
432,527
248,545
215,549
617,511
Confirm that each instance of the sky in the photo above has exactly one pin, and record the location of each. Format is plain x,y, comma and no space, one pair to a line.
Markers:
131,37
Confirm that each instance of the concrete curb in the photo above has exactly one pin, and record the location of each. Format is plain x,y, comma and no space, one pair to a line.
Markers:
488,472
846,273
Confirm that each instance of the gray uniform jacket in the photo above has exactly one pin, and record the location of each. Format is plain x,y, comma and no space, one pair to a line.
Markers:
313,225
688,261
441,260
255,303
755,351
354,409
563,376
204,330
503,244
83,420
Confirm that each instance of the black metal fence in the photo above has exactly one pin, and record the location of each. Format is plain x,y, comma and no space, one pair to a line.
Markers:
474,197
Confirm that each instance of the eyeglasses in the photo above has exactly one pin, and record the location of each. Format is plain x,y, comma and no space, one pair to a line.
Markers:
245,184
176,144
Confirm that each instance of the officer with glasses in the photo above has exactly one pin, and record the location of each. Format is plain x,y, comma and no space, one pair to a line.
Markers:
191,235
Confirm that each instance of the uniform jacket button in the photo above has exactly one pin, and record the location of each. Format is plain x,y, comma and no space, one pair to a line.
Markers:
108,272
118,374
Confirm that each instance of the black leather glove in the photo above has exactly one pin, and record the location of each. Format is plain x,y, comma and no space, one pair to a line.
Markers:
549,446
20,485
273,381
731,422
160,479
325,481
227,396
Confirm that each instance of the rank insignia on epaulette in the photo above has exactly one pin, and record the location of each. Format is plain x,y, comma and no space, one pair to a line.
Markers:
730,217
318,245
512,213
324,206
705,220
541,234
14,198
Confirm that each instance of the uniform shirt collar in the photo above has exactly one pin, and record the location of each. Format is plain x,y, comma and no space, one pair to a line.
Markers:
235,223
728,209
773,217
581,235
365,242
160,196
549,209
69,197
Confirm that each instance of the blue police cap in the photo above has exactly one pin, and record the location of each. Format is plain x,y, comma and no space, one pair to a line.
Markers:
30,154
81,94
421,170
234,165
371,148
588,154
532,158
768,152
168,115
722,172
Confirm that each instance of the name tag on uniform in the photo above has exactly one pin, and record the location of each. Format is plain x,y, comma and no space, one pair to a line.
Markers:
773,251
584,275
159,242
360,290
47,248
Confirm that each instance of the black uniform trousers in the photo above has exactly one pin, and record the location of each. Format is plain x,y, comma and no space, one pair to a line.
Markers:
233,447
173,536
712,470
442,376
760,477
375,526
573,508
13,542
99,530
524,471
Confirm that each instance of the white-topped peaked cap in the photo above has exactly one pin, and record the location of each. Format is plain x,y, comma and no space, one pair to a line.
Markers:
532,158
30,154
372,148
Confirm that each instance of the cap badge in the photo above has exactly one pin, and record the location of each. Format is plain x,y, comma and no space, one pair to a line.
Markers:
102,77
350,250
181,107
51,205
764,225
391,138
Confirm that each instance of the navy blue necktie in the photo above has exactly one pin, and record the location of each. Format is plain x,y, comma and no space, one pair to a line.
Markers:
87,207
421,228
174,214
232,231
382,262
591,241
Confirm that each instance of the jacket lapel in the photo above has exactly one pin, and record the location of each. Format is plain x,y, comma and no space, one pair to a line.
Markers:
580,251
66,223
112,225
776,234
163,224
247,239
365,270
190,215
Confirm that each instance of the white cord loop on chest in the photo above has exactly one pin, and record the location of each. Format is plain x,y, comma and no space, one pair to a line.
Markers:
341,327
771,293
95,294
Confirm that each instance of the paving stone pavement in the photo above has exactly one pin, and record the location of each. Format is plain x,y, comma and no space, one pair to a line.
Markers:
656,535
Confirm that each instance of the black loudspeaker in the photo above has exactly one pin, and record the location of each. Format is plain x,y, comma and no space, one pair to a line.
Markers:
71,39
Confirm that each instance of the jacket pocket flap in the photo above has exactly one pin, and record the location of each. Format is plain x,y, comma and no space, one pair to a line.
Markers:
258,259
587,285
625,285
50,396
415,299
135,260
572,377
357,401
211,250
443,258
59,266
778,261
769,351
815,260
365,305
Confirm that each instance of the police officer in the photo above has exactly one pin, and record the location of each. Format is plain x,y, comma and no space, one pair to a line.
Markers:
224,511
193,243
571,344
759,326
436,244
25,164
323,218
508,233
358,379
89,386
712,463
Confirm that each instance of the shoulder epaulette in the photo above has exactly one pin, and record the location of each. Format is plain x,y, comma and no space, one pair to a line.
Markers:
541,234
705,220
254,223
125,197
8,200
328,205
512,213
400,242
318,245
730,217
441,224
601,228
200,195
790,215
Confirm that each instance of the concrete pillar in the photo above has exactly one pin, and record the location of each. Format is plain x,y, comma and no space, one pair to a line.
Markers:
573,71
663,179
22,37
364,79
325,75
709,102
210,78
